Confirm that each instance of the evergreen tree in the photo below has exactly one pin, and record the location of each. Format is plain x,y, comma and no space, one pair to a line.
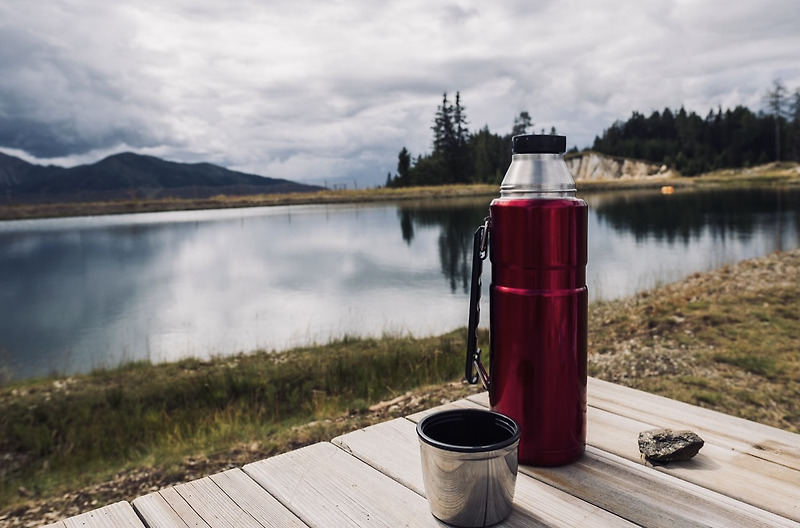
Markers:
460,122
521,124
682,140
490,154
691,144
450,158
776,102
794,116
458,157
443,132
403,167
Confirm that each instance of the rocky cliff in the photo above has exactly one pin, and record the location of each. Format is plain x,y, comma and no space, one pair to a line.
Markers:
587,166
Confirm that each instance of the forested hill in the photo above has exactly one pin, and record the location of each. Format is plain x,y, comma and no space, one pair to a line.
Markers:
691,144
127,176
681,140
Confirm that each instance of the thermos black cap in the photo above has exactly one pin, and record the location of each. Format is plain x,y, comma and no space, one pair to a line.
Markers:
538,144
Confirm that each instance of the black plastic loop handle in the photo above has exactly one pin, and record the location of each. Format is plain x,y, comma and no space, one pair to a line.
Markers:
474,369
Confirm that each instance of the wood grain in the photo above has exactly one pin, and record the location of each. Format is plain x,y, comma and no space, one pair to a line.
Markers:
535,504
115,515
326,486
747,474
225,500
751,438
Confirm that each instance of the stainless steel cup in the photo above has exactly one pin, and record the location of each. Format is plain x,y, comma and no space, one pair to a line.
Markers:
469,465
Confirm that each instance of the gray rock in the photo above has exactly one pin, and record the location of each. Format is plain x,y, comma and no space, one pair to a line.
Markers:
666,445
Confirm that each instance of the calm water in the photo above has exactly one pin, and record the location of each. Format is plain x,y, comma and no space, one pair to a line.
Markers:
82,293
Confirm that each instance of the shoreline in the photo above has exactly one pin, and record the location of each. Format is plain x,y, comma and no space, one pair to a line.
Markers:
724,339
770,174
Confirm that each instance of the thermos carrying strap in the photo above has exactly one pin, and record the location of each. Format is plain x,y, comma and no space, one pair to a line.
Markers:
474,367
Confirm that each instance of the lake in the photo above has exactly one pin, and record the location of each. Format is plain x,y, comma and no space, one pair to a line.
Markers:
91,292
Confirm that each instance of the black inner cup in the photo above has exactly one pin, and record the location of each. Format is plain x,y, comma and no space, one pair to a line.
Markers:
468,430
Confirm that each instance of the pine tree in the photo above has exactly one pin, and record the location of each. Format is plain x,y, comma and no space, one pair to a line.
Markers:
776,102
459,156
460,122
443,132
794,114
521,124
692,144
403,167
490,155
449,161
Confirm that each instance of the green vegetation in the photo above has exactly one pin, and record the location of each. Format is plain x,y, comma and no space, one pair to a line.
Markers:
53,433
693,145
684,141
459,156
727,340
147,205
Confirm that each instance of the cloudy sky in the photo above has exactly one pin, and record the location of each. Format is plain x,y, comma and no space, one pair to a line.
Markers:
327,91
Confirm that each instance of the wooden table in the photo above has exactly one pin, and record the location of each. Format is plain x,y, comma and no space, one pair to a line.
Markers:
747,475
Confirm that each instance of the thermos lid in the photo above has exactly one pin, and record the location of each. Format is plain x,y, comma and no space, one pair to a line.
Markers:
538,144
538,169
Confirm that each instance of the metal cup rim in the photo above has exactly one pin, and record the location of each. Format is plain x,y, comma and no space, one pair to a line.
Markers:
491,418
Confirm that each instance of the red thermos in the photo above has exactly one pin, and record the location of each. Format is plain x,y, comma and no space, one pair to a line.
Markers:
538,302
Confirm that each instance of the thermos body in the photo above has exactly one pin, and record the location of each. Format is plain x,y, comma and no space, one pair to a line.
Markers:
536,239
538,315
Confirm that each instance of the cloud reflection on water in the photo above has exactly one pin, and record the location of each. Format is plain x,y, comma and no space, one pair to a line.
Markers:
82,293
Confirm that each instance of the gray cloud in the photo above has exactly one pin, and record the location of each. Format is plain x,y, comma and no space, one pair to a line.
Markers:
57,100
334,92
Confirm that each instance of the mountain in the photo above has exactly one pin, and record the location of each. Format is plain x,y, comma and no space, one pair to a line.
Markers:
128,175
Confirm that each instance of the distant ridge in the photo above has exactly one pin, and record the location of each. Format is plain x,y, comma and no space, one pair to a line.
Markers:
128,175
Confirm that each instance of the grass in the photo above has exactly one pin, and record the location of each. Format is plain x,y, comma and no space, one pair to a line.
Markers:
722,341
146,205
785,173
726,340
779,173
733,335
54,433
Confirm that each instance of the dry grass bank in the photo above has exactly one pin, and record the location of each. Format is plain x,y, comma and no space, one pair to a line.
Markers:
22,211
726,340
785,173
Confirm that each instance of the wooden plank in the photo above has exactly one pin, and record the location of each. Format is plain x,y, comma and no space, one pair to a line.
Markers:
539,504
214,506
647,497
167,509
255,500
757,440
769,486
742,473
326,486
605,430
197,503
763,441
228,499
115,515
392,448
